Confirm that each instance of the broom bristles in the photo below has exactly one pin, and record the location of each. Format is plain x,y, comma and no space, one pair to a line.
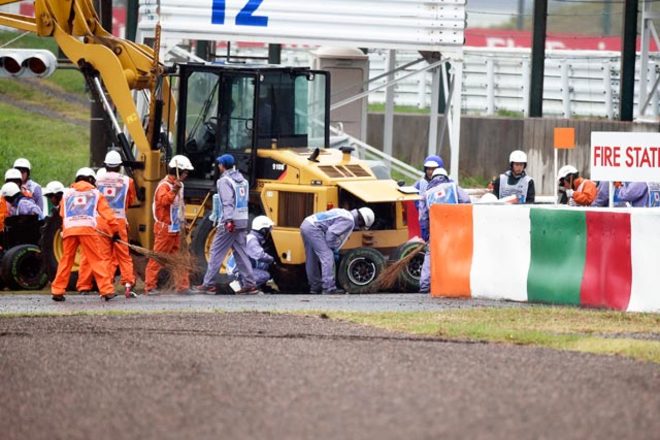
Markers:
179,264
390,276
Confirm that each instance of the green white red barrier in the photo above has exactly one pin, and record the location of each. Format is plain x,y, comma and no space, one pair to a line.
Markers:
591,257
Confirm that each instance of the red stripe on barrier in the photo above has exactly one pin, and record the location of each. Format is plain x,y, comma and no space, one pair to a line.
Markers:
412,219
607,275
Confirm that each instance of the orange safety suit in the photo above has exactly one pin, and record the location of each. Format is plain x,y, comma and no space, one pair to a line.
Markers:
81,207
168,204
585,191
120,255
4,212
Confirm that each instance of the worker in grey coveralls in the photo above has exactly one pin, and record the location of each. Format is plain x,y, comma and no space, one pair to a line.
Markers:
231,233
259,258
324,234
441,189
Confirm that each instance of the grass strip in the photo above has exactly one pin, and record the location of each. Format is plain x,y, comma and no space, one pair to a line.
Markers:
56,149
559,328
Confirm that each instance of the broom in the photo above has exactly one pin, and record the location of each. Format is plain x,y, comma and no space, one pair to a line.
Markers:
174,263
389,277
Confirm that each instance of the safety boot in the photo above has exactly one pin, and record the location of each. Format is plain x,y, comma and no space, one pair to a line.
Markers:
248,290
58,298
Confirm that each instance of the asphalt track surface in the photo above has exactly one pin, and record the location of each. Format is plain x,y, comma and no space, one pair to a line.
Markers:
26,304
261,375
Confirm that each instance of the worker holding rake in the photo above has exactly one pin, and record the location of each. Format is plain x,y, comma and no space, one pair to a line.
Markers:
167,210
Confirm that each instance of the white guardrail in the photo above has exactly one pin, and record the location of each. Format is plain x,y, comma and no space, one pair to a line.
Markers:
577,83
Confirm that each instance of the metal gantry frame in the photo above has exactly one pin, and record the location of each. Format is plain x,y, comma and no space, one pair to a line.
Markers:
452,84
649,35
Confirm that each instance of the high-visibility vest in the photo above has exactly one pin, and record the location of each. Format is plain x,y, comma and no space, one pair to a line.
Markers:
80,208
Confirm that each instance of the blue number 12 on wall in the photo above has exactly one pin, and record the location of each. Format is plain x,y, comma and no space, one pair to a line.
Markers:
244,17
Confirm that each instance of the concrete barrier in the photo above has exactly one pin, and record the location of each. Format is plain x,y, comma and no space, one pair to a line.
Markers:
605,258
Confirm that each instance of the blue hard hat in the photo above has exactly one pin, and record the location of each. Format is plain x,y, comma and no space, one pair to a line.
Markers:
431,160
226,160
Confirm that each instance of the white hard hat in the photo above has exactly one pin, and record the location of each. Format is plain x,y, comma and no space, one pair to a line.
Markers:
22,163
261,222
13,173
100,173
181,162
439,172
86,172
368,216
518,157
565,171
53,188
10,189
113,158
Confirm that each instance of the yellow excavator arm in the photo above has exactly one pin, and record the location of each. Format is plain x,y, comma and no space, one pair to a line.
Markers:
123,66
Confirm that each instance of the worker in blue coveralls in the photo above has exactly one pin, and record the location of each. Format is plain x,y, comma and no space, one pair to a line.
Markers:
431,163
324,234
603,195
440,190
231,233
639,194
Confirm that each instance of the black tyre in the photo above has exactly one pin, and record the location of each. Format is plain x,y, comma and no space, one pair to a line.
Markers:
359,268
411,274
23,268
52,249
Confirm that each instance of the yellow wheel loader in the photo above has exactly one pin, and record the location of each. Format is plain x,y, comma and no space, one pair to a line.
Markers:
274,120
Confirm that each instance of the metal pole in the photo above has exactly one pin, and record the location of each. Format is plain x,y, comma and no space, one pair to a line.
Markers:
555,179
274,54
132,8
627,87
538,58
520,21
455,134
202,50
607,17
433,117
388,125
98,137
644,58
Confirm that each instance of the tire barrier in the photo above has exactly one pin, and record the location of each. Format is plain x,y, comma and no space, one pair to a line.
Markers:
603,258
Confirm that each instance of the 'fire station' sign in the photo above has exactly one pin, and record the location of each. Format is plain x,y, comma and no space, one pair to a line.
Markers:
625,156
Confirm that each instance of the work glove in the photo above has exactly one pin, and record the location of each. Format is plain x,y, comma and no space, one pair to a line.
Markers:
176,186
230,226
425,234
569,193
335,254
116,237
